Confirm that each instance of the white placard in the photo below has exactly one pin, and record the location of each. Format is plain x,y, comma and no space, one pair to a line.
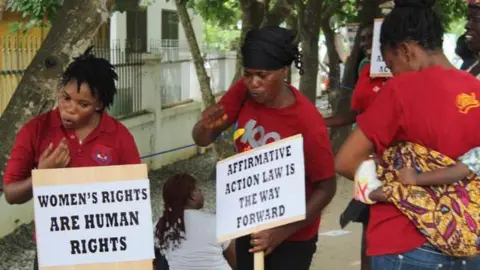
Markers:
93,223
261,189
378,68
352,29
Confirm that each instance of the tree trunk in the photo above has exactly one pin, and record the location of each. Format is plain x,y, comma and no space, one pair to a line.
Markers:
222,147
333,57
292,23
341,101
252,16
202,75
279,13
309,16
71,34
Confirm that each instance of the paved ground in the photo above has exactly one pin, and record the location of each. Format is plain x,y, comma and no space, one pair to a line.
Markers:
338,249
335,252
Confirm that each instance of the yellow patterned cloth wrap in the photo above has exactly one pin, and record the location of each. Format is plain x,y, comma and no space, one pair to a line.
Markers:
447,215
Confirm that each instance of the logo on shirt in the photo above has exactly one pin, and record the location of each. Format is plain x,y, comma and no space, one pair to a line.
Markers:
102,155
376,89
466,102
254,136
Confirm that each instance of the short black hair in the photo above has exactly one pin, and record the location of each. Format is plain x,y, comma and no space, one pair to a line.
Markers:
462,49
98,73
412,20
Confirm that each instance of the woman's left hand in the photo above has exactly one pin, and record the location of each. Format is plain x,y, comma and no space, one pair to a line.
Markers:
268,240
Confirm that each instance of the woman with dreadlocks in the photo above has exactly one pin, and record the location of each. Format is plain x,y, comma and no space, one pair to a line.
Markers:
264,108
185,234
427,112
78,133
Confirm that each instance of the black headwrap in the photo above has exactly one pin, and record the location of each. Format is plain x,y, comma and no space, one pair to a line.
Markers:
270,48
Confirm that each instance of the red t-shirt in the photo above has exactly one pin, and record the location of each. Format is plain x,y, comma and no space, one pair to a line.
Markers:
366,90
109,144
262,125
437,108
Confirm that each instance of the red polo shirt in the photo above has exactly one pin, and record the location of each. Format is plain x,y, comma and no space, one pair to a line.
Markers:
109,144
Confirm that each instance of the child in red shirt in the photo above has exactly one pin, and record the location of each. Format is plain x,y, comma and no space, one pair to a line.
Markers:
420,105
265,109
79,133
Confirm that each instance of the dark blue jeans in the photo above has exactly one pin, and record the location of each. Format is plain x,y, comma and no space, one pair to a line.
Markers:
425,257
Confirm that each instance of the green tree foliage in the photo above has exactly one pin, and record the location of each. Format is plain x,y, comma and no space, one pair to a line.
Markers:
347,13
41,13
221,38
221,19
452,12
222,13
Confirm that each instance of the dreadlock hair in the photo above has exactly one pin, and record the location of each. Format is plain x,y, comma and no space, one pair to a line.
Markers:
412,20
98,73
170,229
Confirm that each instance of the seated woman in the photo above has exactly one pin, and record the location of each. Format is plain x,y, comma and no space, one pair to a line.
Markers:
439,196
185,235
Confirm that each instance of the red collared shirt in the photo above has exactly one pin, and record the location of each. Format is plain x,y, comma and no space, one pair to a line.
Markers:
109,144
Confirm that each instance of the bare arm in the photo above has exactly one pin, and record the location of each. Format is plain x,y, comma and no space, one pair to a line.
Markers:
353,152
204,136
322,195
19,192
378,196
213,122
230,255
218,117
341,120
443,176
268,240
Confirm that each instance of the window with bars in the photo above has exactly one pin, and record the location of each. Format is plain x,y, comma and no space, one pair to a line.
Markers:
170,28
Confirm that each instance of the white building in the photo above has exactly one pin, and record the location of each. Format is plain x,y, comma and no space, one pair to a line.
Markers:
156,26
